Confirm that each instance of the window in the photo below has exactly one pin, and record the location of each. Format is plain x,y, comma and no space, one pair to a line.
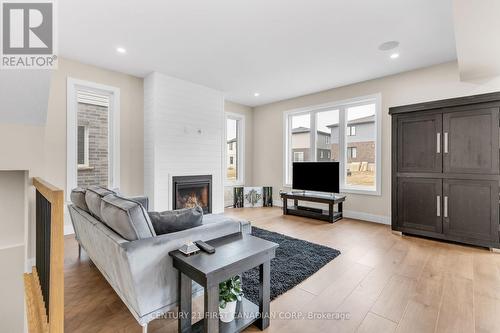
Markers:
298,156
351,131
235,146
351,153
83,146
347,132
92,134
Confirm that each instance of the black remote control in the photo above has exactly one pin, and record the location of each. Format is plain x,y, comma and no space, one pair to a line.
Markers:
205,247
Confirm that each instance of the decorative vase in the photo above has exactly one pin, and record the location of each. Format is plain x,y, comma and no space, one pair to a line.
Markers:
227,314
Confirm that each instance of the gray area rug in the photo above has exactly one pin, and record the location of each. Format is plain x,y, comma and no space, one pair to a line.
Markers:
295,261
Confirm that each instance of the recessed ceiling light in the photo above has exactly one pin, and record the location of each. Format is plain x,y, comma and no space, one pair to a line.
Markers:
256,94
121,50
394,55
390,45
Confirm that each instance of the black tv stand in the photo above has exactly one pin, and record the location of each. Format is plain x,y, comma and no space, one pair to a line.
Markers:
326,215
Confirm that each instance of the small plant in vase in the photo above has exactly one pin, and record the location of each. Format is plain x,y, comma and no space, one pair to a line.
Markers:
229,293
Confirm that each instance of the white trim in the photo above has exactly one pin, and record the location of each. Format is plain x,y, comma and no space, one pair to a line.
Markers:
71,131
340,105
351,214
240,135
367,217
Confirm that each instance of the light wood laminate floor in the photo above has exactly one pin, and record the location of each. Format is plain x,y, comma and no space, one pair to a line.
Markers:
380,283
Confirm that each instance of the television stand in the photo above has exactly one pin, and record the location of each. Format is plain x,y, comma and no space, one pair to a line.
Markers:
326,215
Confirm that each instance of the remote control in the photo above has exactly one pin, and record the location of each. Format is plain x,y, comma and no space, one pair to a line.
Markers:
205,247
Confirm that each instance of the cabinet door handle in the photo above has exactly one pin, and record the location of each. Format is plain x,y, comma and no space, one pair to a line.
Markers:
438,143
446,142
446,206
438,202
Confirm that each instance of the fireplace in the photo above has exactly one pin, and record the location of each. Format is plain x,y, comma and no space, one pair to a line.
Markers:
189,191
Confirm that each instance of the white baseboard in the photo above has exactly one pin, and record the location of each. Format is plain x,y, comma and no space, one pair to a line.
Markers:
367,217
353,215
68,230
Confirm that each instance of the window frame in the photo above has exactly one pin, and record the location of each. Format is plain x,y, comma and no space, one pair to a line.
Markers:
240,149
342,106
72,87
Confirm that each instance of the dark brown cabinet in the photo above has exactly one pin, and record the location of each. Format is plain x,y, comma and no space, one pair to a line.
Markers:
470,141
470,209
419,204
419,143
445,169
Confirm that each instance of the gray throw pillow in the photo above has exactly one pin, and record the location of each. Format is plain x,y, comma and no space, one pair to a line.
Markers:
176,220
78,198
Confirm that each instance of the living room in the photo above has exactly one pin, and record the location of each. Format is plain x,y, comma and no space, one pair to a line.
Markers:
250,166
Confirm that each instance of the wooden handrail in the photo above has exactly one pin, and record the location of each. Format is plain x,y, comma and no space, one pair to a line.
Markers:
37,319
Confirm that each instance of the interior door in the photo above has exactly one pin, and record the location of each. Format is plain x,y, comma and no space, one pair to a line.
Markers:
420,143
470,208
419,204
470,141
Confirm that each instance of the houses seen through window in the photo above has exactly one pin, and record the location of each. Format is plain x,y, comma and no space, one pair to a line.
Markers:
232,149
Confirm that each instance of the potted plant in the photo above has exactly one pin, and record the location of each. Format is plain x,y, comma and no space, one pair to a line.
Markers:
229,293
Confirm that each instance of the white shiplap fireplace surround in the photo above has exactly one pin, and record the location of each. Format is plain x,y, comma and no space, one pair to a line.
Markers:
183,136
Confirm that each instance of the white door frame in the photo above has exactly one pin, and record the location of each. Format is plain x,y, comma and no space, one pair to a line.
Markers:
113,131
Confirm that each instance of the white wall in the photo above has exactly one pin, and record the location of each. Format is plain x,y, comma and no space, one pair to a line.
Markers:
432,83
183,135
13,246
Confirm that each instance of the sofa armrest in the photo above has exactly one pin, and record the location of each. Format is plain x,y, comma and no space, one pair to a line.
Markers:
152,272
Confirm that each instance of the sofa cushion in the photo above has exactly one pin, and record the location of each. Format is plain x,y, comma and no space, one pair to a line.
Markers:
93,197
143,200
126,217
176,220
78,198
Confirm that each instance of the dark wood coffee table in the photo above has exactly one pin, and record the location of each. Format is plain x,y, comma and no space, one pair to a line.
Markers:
234,255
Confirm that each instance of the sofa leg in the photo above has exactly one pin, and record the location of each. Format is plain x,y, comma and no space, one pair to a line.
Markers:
145,328
79,251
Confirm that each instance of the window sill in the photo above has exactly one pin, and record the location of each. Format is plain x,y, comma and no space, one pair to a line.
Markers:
234,184
363,191
85,168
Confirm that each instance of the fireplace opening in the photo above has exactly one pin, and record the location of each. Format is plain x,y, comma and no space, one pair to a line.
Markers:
190,191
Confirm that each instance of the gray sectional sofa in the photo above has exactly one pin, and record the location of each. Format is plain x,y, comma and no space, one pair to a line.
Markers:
117,235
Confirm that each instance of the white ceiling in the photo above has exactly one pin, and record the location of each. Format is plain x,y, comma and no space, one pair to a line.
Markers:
279,48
